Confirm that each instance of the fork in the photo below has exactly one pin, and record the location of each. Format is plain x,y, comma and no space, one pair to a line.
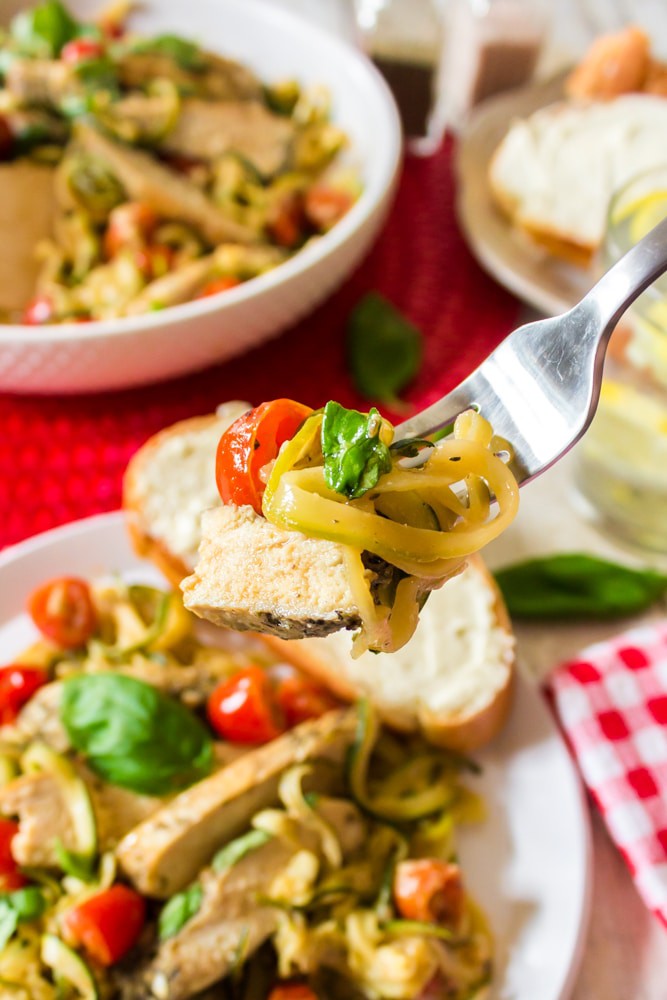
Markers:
540,388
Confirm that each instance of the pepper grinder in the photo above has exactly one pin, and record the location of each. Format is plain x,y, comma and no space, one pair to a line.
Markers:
404,40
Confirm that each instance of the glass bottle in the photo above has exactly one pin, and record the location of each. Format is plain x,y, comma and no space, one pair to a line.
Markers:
404,40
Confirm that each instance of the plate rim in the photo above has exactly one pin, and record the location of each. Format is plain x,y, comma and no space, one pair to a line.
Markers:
112,521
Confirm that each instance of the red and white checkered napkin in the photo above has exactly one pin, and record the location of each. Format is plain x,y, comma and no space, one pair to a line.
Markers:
612,704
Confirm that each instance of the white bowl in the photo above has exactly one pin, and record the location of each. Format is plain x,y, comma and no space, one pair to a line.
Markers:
116,354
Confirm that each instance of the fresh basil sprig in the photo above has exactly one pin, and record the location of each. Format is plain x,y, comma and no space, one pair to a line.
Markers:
43,31
180,908
384,350
354,455
184,53
134,736
576,585
23,904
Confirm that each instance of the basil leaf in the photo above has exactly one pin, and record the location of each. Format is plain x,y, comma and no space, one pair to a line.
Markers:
44,30
232,852
185,54
23,904
134,736
354,455
384,350
180,908
576,585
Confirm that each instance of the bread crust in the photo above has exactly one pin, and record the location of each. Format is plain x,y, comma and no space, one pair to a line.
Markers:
144,544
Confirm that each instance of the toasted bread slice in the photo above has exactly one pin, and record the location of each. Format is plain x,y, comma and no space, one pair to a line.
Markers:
453,680
554,173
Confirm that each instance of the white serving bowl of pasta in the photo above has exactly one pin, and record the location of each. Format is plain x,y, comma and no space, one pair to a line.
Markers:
118,353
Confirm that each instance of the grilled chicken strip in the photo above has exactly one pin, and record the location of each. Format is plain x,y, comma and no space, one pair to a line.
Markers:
251,574
164,854
169,194
41,82
207,129
27,212
216,77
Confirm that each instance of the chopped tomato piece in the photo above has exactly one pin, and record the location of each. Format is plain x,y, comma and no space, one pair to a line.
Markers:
108,924
429,890
292,991
64,612
242,708
301,698
17,686
286,221
222,284
10,876
130,225
38,311
249,444
81,50
324,206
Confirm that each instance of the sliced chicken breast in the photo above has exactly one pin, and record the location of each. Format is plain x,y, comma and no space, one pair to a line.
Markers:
27,211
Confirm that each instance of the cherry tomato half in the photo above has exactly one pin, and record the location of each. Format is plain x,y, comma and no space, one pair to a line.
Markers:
222,284
17,686
108,924
10,876
64,612
292,991
429,890
242,708
81,50
249,444
154,260
300,698
285,225
38,311
6,139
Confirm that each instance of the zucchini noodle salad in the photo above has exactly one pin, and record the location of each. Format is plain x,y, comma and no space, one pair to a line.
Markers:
158,841
407,513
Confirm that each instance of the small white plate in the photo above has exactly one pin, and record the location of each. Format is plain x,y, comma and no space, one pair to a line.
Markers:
550,285
528,864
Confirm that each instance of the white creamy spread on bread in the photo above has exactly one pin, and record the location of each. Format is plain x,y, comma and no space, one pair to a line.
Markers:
455,662
555,171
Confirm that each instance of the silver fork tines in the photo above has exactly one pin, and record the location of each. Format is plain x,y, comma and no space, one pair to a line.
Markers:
540,388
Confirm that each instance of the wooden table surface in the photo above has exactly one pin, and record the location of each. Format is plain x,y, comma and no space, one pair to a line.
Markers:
625,953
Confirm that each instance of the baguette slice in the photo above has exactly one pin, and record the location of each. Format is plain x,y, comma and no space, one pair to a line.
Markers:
453,680
555,171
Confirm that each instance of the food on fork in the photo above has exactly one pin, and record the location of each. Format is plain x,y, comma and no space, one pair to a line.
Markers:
328,522
452,681
144,856
173,173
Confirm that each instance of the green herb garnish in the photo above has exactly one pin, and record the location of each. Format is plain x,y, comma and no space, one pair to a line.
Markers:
23,904
134,736
354,454
43,31
185,54
576,585
180,908
384,350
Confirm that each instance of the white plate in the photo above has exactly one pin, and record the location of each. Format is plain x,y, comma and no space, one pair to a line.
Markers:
528,865
541,280
114,354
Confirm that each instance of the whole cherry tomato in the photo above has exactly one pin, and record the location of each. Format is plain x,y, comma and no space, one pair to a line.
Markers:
130,225
429,890
64,612
10,876
324,206
108,924
250,443
242,708
300,698
17,686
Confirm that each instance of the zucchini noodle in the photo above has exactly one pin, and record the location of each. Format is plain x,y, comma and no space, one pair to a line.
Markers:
422,521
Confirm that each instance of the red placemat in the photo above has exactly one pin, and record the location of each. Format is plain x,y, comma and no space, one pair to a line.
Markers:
62,458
